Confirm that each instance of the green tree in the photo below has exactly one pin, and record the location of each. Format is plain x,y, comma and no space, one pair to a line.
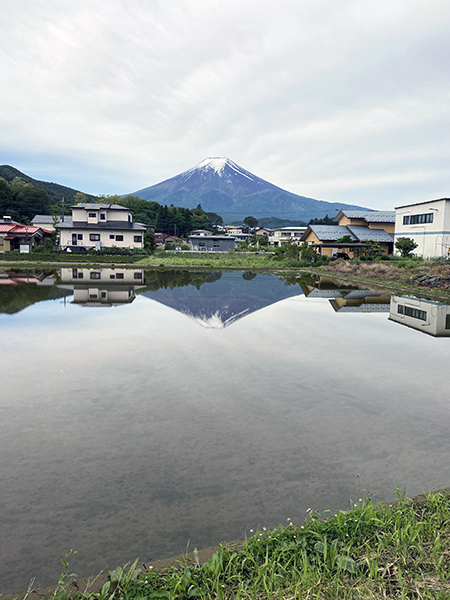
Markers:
374,250
29,200
251,222
81,198
149,240
346,239
405,246
308,253
6,197
260,240
214,218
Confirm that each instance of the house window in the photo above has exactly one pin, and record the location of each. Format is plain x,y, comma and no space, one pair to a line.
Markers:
119,238
102,217
112,276
119,275
216,244
447,321
80,275
95,275
94,237
419,219
111,236
415,313
103,295
202,244
138,275
92,215
80,236
406,220
93,296
138,238
74,273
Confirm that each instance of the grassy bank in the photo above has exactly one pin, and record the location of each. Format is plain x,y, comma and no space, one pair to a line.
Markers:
217,260
371,551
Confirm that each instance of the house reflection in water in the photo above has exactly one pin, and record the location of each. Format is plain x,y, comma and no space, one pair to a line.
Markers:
349,299
102,287
427,316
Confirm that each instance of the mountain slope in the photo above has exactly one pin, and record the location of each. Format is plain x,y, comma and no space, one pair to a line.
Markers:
222,186
54,190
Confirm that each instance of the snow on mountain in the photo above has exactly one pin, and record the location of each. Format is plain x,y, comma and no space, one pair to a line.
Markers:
222,186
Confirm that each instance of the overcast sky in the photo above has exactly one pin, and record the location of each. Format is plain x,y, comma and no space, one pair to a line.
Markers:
339,100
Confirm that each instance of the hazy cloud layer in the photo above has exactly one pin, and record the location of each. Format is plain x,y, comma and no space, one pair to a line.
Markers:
342,101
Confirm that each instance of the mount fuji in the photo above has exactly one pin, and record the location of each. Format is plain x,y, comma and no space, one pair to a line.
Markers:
223,187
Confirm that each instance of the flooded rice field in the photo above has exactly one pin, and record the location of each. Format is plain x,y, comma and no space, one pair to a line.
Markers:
145,411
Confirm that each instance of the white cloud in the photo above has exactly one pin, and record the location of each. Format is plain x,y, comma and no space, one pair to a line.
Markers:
341,101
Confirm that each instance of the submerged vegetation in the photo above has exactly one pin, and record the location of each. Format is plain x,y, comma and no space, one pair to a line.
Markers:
371,551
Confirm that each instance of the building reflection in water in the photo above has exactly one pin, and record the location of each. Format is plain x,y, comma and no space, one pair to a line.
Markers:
348,299
102,287
427,316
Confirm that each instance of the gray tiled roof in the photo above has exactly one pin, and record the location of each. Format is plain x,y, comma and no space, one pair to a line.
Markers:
98,206
40,219
330,233
371,216
121,225
365,233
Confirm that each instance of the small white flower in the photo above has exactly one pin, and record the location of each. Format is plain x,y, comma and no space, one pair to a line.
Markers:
251,530
302,527
264,528
360,499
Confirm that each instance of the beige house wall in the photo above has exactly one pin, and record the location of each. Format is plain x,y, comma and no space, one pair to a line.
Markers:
82,215
106,276
346,221
106,241
387,227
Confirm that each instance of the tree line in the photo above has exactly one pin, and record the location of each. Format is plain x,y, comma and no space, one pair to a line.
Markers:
22,201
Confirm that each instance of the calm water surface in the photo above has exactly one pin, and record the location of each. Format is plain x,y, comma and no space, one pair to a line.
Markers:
194,407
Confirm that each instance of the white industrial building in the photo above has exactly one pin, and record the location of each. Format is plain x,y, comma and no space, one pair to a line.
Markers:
428,224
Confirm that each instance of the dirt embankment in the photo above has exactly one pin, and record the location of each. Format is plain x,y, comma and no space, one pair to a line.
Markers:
425,275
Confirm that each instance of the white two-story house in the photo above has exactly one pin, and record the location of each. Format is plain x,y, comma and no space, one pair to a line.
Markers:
101,226
428,224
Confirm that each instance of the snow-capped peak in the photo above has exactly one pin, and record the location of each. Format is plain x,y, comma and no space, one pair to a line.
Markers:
216,163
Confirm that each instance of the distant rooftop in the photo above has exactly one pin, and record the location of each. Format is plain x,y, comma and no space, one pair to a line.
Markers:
44,219
95,206
371,216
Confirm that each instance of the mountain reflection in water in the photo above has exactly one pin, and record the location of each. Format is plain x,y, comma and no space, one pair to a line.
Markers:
216,300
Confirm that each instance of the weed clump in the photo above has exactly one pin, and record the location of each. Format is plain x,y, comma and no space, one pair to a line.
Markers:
371,551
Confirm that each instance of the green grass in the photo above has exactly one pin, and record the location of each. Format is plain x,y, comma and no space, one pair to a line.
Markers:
370,551
217,260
